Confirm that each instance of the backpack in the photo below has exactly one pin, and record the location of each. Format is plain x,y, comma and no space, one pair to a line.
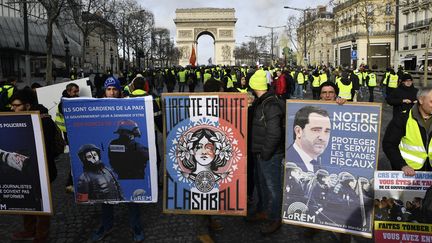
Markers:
426,207
4,98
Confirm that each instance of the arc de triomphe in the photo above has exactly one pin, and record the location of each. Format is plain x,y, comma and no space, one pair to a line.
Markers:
219,23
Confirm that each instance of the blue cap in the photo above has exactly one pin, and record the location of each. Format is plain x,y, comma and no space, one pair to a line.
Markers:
111,81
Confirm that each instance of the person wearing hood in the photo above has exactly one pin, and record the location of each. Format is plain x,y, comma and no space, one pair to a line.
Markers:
97,182
36,227
403,97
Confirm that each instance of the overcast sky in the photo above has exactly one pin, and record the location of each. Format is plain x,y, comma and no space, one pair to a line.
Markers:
249,14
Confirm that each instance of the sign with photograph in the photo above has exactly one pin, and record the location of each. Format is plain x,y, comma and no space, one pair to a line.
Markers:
112,149
331,155
24,182
403,207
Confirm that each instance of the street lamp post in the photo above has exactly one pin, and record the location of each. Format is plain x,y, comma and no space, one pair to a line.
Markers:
67,58
17,45
112,60
272,32
304,10
354,50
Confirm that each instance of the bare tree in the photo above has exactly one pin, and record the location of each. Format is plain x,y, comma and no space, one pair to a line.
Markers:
134,24
89,15
53,9
366,16
161,40
300,28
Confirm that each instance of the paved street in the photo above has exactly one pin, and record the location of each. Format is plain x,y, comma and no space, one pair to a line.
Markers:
74,223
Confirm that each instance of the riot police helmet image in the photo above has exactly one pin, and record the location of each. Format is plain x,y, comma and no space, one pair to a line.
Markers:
204,157
311,134
322,177
294,181
97,182
127,156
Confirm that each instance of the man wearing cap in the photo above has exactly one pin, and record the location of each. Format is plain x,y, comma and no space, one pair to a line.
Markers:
407,139
403,97
267,149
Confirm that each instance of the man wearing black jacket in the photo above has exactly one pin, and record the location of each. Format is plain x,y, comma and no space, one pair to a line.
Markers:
403,97
36,227
407,139
267,149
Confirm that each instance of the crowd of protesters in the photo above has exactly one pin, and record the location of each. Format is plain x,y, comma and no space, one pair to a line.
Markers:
264,86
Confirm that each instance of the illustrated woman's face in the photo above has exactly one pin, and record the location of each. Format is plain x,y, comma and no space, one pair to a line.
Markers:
204,152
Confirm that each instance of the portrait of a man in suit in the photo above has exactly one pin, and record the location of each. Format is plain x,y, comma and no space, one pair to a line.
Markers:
311,129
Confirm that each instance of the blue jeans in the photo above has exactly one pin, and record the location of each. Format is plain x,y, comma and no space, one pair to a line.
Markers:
298,91
134,216
268,180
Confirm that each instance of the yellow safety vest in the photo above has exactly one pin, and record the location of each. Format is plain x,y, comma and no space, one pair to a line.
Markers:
138,92
364,75
10,90
372,80
393,81
182,76
316,81
242,90
207,76
344,90
292,74
323,78
338,80
360,77
411,145
300,78
198,74
234,78
59,120
230,83
385,79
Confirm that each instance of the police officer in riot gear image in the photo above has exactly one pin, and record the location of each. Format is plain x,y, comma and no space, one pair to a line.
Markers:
128,158
97,182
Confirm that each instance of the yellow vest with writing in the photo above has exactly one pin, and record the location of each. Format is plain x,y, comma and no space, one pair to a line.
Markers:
372,80
411,145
